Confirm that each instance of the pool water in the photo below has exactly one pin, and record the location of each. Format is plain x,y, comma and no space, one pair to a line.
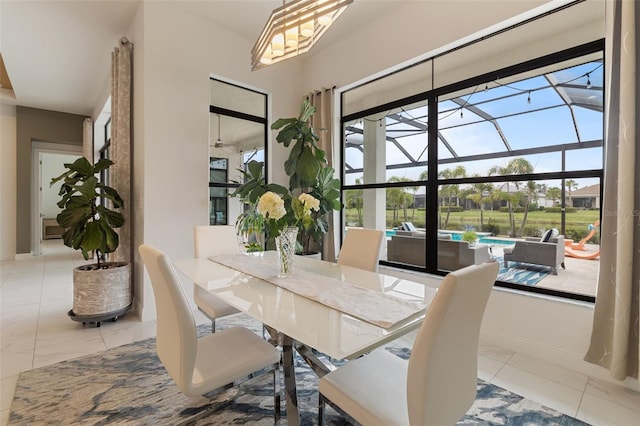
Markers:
457,236
496,241
485,240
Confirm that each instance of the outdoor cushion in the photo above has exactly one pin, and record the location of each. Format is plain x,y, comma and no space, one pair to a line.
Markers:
408,226
549,234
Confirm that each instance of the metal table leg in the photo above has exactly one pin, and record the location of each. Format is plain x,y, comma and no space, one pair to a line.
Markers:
291,392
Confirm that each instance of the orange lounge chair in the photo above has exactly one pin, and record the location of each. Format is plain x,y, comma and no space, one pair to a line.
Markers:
581,255
592,231
580,245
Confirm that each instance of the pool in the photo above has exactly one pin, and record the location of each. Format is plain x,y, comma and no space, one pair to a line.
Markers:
390,232
496,241
485,240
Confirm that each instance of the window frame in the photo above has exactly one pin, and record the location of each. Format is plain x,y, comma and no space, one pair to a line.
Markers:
433,181
264,121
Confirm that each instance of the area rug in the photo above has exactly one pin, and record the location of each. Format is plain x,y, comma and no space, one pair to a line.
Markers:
522,273
128,386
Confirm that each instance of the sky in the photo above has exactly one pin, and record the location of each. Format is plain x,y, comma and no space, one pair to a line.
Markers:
528,113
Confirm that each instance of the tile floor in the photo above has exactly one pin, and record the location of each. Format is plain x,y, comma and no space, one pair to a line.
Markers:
36,294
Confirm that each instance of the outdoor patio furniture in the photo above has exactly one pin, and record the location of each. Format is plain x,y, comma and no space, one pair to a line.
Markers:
409,247
532,250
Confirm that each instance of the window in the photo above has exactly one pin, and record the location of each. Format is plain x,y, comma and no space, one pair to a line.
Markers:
507,155
218,172
237,135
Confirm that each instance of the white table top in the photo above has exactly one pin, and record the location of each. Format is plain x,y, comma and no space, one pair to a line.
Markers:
332,332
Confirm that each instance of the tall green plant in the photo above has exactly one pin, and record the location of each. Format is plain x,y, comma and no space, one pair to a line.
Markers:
306,158
89,224
308,172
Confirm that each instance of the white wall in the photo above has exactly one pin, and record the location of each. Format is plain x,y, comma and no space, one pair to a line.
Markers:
174,54
412,29
8,165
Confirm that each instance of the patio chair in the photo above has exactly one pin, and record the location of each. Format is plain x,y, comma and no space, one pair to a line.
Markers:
534,251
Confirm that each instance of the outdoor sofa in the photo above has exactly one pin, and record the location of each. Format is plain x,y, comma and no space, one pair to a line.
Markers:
533,250
409,247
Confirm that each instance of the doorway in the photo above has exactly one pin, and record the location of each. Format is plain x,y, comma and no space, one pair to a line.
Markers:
48,161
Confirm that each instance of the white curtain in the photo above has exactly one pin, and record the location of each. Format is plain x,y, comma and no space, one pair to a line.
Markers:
87,139
321,121
614,339
120,148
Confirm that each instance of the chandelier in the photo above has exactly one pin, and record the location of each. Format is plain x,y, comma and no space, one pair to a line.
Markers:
293,29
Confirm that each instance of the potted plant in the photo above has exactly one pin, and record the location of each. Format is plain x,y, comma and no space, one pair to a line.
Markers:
470,237
308,173
250,223
101,290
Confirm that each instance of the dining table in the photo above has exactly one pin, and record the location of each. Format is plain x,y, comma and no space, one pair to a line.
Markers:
325,311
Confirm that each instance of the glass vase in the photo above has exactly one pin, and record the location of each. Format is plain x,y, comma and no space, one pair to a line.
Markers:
286,247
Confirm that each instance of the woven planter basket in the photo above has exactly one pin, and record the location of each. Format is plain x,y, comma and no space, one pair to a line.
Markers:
101,291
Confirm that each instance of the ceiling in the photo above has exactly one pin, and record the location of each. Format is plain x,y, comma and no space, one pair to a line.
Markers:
52,63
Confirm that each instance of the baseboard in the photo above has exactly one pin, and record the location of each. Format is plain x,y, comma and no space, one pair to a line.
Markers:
553,355
23,256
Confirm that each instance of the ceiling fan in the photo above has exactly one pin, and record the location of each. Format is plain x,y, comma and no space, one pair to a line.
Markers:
218,143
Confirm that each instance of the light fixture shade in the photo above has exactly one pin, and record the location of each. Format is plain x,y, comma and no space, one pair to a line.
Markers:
293,29
306,28
277,45
291,37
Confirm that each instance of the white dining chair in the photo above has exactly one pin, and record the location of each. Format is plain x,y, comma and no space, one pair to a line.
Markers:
438,384
212,241
210,363
361,248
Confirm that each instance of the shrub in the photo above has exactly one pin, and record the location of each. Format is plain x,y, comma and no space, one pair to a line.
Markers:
454,209
531,231
518,209
490,227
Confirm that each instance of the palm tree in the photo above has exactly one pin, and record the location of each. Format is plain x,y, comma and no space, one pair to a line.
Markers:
517,166
571,185
531,194
478,194
397,199
404,199
354,200
554,193
451,191
541,188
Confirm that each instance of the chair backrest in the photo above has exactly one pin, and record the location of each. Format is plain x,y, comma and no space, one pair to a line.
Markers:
361,248
176,342
443,370
214,240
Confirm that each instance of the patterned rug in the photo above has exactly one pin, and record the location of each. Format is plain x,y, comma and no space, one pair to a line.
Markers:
128,386
522,273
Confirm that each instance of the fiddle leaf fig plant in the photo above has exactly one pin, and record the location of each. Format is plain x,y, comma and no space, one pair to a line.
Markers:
308,172
309,175
89,225
306,159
